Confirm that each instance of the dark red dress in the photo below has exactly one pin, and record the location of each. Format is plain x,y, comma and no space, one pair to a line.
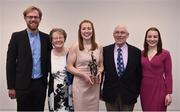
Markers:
156,81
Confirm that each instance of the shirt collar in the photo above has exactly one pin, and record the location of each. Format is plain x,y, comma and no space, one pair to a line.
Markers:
32,34
123,48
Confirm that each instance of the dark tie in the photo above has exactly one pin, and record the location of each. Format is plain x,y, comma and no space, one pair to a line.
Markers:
120,64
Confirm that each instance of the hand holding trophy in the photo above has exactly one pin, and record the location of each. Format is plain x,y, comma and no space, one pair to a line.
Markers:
93,68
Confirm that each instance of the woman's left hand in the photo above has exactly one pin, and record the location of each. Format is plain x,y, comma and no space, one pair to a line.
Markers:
168,99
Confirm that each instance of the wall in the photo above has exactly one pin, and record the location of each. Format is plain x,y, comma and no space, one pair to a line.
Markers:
1,54
177,76
137,15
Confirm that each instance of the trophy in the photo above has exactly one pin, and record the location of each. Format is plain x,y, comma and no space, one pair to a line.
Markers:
93,68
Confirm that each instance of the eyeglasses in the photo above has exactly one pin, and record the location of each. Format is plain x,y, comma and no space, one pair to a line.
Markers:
31,17
57,38
122,33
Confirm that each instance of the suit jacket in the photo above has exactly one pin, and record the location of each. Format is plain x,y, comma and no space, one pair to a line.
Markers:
128,85
19,60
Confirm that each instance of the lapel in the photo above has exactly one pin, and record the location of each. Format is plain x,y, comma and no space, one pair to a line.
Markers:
26,41
42,43
111,57
129,58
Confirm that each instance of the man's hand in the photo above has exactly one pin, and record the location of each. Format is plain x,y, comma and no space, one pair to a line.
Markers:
12,93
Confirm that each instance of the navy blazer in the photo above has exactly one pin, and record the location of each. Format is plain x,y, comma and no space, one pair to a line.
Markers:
128,85
19,59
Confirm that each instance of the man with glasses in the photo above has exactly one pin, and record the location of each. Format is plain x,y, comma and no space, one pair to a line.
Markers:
122,72
27,64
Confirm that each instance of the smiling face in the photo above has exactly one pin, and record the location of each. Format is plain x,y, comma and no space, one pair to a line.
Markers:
152,38
86,34
58,39
86,31
32,19
120,35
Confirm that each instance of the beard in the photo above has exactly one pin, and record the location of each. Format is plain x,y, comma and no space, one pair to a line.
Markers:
33,26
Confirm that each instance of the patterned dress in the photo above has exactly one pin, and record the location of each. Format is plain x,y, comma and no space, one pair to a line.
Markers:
59,94
156,81
85,96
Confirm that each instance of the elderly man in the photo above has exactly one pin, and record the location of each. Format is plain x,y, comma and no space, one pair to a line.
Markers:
122,72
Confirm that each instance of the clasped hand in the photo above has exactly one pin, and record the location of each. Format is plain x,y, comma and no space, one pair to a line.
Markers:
92,79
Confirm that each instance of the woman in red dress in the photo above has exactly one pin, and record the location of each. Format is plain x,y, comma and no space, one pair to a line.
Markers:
156,86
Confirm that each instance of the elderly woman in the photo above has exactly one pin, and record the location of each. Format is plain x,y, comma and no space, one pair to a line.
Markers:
59,98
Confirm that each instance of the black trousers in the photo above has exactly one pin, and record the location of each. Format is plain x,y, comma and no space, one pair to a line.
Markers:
32,99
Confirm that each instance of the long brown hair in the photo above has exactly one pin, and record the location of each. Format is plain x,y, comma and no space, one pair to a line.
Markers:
80,38
159,44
